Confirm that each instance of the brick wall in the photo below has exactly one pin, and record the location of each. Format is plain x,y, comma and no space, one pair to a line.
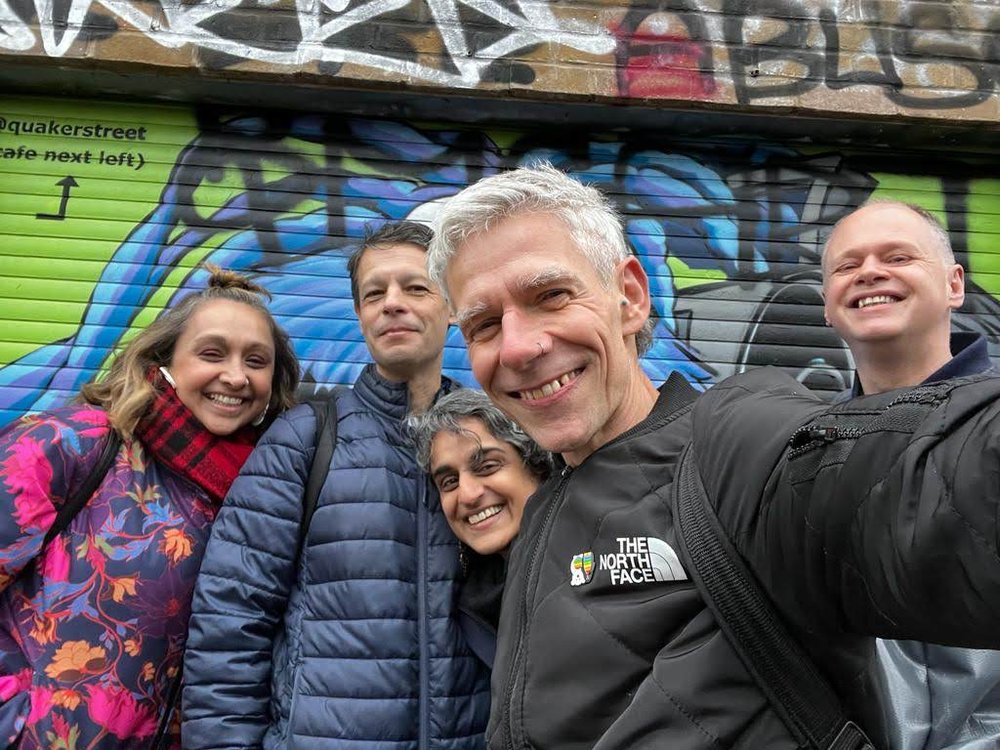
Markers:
931,60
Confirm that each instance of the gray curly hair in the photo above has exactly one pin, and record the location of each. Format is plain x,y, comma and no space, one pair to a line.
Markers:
467,403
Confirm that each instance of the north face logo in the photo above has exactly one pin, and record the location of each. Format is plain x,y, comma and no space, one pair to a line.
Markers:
639,559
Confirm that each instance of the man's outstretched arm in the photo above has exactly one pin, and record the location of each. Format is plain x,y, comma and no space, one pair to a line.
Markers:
880,517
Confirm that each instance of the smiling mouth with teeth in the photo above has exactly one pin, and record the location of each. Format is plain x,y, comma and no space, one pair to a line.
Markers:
225,400
549,388
483,514
881,299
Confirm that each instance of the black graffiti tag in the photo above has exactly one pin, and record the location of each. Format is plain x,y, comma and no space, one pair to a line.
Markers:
923,38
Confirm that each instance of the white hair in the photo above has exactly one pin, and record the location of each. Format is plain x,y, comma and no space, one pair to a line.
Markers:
591,219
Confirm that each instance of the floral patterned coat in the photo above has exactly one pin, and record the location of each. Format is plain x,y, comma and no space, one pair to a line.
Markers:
93,633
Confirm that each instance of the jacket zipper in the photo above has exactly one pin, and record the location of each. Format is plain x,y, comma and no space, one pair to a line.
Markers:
531,583
815,434
424,700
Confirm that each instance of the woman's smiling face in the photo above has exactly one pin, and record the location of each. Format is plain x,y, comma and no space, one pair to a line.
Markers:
223,365
483,484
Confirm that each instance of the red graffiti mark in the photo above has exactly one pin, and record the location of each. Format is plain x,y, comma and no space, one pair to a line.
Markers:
661,67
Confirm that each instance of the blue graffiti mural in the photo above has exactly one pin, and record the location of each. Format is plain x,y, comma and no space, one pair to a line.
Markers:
739,218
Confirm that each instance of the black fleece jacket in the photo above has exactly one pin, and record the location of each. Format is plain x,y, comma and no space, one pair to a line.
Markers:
605,642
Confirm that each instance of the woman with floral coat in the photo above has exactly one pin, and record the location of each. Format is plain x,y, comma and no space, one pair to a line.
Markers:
93,624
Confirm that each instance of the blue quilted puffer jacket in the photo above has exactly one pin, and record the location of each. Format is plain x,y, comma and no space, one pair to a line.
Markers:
356,645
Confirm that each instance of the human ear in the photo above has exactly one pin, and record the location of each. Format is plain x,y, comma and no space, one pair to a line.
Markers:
956,286
633,289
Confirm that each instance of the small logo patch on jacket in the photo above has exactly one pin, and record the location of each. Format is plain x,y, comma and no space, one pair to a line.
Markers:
639,559
581,569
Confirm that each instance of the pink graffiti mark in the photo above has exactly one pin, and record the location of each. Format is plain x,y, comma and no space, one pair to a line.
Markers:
652,66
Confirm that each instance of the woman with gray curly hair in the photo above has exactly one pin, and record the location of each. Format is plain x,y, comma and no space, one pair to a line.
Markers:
485,468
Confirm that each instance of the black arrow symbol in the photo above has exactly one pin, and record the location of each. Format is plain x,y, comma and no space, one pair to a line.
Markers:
67,182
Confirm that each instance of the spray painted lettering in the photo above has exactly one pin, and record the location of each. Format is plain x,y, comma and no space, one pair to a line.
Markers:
850,55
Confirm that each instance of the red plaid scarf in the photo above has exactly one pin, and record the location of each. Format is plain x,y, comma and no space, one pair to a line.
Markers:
170,432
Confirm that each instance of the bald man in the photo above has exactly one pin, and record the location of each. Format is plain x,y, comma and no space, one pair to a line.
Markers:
890,283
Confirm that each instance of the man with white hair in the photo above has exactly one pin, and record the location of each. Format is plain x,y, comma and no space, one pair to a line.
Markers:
890,283
605,641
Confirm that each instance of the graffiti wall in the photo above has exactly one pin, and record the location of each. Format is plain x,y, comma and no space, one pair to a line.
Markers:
880,58
108,211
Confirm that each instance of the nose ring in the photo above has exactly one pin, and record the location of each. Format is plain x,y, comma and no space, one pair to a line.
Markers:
541,349
246,381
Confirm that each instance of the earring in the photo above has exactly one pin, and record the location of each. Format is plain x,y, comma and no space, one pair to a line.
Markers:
166,376
260,420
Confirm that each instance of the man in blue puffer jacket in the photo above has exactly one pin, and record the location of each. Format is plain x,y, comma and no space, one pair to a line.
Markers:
355,643
890,282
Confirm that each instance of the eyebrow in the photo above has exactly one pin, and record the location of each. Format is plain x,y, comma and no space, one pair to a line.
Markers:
545,277
882,247
472,459
210,338
380,279
464,316
221,341
525,283
485,452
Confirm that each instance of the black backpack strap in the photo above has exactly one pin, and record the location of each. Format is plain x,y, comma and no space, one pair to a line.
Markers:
83,492
677,393
161,739
796,690
325,410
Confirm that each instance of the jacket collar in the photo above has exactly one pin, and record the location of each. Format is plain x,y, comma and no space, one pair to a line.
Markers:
675,394
969,356
390,397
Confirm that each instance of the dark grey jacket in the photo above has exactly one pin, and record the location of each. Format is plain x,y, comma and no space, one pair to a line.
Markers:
609,645
939,697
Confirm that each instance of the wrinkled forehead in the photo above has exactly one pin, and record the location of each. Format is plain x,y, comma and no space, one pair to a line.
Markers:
546,228
494,262
483,293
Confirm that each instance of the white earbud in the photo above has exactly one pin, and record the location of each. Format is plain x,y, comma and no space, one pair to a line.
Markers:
166,376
